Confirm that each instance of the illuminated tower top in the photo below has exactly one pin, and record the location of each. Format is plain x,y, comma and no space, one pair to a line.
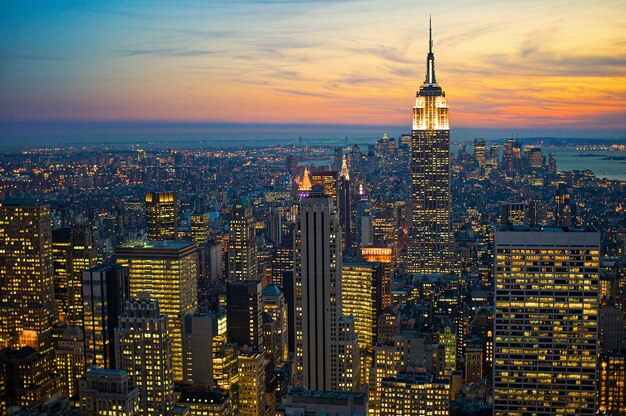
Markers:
344,169
431,107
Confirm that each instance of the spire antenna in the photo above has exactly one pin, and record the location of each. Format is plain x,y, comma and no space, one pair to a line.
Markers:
430,33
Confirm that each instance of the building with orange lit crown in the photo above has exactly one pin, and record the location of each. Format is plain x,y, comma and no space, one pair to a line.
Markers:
430,249
161,216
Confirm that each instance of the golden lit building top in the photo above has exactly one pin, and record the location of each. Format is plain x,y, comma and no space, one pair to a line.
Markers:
161,216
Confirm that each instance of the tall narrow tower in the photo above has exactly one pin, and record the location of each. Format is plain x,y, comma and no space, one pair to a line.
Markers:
430,250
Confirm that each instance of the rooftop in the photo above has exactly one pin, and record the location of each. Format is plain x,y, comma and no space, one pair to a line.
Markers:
157,244
543,229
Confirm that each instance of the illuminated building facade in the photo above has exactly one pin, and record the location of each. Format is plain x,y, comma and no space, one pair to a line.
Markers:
317,295
105,292
200,228
384,256
431,246
479,151
275,306
251,384
27,306
168,271
612,384
414,394
69,356
161,216
206,403
144,349
72,251
546,311
29,377
513,213
199,329
361,298
242,248
108,392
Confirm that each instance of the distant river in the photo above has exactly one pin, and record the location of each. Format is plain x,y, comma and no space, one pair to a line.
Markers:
568,158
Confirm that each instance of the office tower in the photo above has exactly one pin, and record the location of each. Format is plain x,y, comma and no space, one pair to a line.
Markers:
200,228
225,371
275,306
534,158
300,401
200,234
251,384
364,225
292,164
473,362
69,352
611,329
512,213
199,329
611,382
108,392
414,394
546,310
317,294
72,252
511,156
282,261
384,256
27,307
144,350
430,248
29,377
244,300
479,151
551,163
242,249
361,285
446,336
167,270
216,259
563,212
105,292
344,200
161,216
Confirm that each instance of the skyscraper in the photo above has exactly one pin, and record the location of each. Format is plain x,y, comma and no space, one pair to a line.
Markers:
161,216
546,311
144,349
27,307
244,299
317,295
430,249
72,251
168,271
242,250
105,292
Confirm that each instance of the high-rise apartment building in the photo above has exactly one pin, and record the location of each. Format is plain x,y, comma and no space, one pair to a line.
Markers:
27,306
242,248
317,295
546,328
144,350
161,216
168,271
275,306
105,292
479,151
431,247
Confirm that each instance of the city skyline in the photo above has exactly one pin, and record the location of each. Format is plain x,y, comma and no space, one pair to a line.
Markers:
551,68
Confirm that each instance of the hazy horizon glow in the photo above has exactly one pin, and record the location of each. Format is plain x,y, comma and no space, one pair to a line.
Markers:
503,64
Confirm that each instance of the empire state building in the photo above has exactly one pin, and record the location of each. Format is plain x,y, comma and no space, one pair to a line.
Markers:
430,249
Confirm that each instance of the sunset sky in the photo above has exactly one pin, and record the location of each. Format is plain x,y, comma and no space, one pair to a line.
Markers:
503,64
